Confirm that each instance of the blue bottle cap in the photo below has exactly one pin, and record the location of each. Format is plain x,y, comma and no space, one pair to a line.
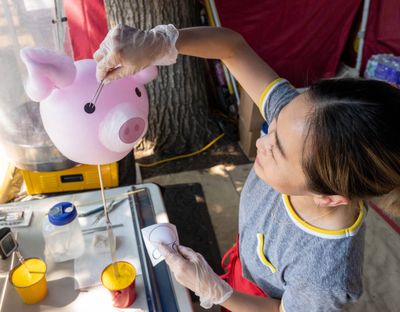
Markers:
62,213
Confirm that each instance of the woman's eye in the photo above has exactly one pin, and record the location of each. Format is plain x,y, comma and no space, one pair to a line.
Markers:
271,151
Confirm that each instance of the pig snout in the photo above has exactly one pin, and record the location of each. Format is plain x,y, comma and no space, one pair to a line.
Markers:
122,127
132,130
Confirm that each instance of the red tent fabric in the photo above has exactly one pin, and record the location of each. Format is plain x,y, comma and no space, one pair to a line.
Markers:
87,23
301,39
383,29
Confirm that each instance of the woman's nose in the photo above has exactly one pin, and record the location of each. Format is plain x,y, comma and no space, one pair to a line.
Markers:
264,142
260,146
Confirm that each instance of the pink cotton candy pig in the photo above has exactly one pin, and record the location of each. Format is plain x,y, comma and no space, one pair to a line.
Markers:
85,133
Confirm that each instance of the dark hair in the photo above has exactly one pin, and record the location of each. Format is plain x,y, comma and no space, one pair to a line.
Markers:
354,138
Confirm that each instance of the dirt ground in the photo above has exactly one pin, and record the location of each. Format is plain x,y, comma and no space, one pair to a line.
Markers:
224,151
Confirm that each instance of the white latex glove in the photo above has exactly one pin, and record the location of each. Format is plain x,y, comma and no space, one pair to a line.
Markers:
193,272
127,50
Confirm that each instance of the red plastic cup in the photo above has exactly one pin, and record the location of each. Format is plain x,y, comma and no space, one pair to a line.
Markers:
121,285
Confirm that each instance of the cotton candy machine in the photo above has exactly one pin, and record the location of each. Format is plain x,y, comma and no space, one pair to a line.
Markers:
22,136
26,143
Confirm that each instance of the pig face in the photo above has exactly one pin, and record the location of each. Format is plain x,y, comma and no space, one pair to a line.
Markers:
83,131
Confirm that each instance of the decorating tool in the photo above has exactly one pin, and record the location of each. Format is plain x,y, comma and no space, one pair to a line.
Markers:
112,206
90,107
93,211
109,226
99,228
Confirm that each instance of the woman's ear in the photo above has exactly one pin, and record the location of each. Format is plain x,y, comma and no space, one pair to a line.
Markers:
330,200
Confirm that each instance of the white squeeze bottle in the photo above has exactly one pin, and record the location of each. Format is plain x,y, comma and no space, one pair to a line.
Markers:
62,233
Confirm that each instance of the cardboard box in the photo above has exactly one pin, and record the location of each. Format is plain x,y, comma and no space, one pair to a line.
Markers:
249,112
247,140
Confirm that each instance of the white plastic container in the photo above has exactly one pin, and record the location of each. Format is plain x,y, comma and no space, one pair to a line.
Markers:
62,233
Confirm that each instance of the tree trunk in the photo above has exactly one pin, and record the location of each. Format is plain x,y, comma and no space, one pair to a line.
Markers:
178,100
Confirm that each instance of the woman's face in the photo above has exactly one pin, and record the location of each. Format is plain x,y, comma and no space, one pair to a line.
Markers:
279,153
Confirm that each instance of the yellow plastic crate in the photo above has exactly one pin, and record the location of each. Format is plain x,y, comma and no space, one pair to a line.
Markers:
82,177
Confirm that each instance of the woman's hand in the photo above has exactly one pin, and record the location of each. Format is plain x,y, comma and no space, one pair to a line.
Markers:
193,272
127,50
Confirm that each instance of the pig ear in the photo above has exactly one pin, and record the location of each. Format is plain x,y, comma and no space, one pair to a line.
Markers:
47,70
146,75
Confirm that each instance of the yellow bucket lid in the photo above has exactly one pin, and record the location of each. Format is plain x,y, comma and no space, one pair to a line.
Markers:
20,277
127,275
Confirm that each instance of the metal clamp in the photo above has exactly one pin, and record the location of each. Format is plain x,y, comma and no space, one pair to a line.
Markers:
61,20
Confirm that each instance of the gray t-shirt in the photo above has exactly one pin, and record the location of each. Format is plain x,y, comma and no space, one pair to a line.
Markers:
309,269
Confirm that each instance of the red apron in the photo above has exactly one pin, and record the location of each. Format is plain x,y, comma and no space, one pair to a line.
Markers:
233,275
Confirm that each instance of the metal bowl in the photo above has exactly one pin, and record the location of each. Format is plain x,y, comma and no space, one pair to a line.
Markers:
37,158
26,143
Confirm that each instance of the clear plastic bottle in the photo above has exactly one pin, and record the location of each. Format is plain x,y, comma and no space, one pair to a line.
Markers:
62,233
391,75
371,66
384,67
396,67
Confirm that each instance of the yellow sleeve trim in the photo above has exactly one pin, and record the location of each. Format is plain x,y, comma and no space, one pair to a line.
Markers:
265,92
260,253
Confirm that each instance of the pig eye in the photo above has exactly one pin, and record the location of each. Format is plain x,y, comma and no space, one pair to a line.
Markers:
89,108
138,93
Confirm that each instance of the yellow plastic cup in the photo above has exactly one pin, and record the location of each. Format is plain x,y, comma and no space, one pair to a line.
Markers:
121,287
29,280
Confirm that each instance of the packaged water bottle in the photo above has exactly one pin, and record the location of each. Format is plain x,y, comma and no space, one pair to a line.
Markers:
371,66
396,66
62,233
382,68
392,74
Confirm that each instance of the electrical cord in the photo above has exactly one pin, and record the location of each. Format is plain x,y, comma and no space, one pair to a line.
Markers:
184,155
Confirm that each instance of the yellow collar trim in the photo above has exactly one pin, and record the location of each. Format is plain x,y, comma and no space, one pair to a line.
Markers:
350,231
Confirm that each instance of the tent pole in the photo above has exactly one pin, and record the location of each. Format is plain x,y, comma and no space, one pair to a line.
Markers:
361,34
230,76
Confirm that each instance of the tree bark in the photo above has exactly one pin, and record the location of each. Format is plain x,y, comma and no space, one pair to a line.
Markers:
178,100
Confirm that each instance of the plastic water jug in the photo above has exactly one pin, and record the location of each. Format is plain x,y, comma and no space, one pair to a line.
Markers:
62,233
